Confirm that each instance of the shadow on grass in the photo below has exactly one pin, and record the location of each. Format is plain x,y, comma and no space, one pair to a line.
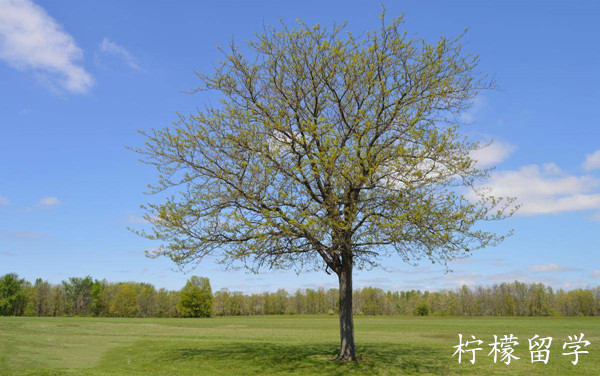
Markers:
312,358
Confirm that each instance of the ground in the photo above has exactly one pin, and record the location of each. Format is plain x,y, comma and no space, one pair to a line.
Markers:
278,345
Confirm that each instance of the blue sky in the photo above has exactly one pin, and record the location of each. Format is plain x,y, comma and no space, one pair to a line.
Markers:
79,78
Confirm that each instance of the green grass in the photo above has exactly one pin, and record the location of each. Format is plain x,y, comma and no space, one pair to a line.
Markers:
276,345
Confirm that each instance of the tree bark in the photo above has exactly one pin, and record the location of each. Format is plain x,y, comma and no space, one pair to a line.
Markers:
347,349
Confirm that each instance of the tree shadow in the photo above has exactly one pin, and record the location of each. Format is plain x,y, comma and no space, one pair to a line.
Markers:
263,358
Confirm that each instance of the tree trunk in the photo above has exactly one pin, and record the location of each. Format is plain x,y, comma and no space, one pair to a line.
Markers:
347,350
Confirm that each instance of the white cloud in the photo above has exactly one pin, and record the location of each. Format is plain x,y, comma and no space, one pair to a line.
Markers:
492,154
49,201
592,161
4,201
551,268
31,40
546,189
596,273
109,47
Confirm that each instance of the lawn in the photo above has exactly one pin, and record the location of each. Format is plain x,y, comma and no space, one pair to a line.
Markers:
276,345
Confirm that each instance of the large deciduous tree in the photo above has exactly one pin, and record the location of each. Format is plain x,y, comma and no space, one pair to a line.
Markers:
326,151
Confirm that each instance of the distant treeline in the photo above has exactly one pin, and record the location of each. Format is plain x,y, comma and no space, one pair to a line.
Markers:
99,298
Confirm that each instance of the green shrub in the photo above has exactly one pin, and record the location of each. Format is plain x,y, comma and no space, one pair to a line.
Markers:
422,309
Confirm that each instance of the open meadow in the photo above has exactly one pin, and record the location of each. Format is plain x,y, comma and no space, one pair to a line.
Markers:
276,345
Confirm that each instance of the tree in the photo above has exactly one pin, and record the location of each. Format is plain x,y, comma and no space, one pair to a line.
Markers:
125,301
372,300
100,305
58,300
40,298
13,297
326,152
196,298
79,295
166,302
221,302
146,300
236,304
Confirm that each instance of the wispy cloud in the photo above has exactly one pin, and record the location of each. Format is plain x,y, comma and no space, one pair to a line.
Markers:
454,280
325,285
49,201
493,261
254,279
413,270
548,280
22,235
131,218
31,40
442,281
462,260
592,161
477,106
492,154
546,274
551,268
377,280
109,47
575,284
4,201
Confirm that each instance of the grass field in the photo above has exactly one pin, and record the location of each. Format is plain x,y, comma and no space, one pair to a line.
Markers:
276,345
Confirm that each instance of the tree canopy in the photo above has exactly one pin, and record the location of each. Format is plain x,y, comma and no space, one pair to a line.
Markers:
12,295
196,298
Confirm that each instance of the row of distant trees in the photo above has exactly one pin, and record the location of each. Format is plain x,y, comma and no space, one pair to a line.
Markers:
506,299
99,298
88,297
